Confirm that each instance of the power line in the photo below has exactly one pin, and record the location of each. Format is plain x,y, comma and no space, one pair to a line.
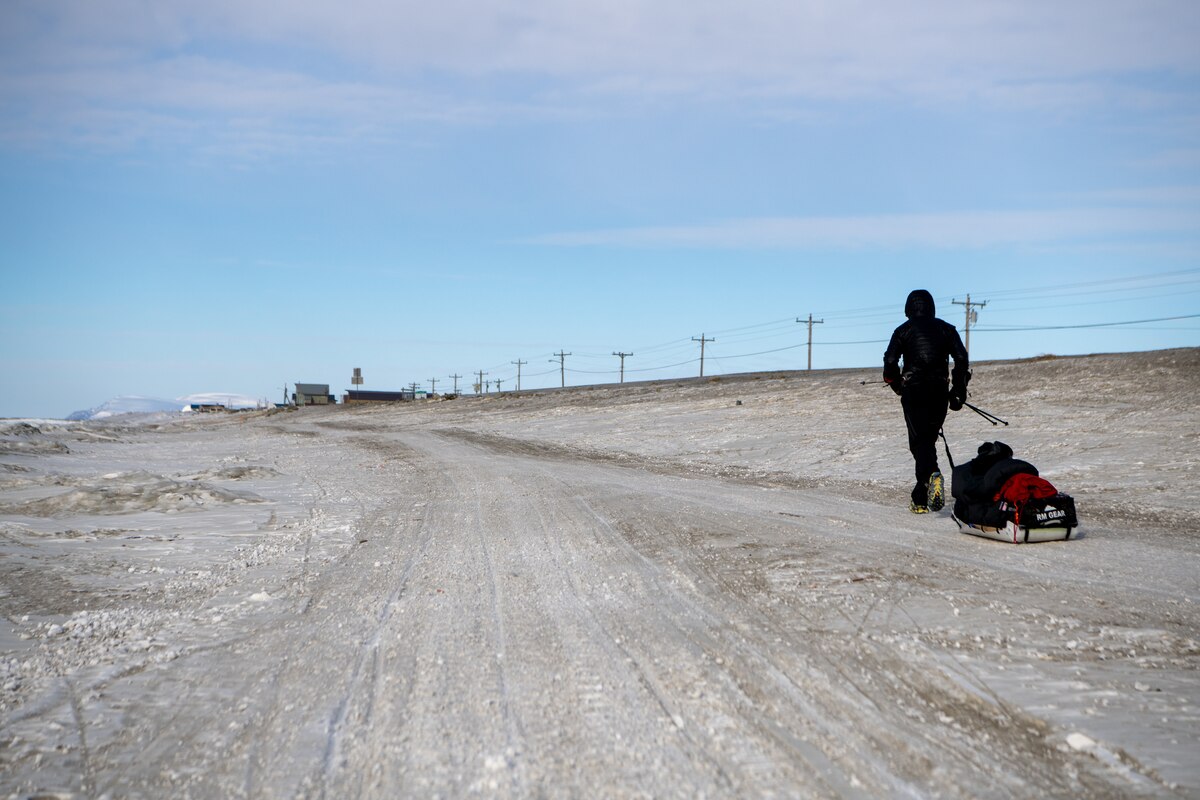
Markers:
1079,287
1091,325
870,320
666,366
859,341
1125,297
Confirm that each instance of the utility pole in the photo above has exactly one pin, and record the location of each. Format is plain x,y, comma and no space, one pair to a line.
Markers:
811,322
414,386
479,385
562,366
433,386
518,362
972,316
498,383
702,340
455,379
622,357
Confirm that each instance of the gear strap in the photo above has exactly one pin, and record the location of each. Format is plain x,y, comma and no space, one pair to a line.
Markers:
942,433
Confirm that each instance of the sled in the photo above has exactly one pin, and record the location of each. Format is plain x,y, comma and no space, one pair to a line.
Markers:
1049,520
1017,534
1000,497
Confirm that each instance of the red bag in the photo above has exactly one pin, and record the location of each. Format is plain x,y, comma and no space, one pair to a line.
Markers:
1020,489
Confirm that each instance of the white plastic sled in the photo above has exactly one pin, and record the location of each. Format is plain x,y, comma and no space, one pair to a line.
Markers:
1018,534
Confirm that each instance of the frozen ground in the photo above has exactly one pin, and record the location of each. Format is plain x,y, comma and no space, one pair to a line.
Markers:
680,589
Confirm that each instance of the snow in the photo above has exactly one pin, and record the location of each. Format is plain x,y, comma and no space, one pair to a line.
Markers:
126,404
228,400
137,404
683,588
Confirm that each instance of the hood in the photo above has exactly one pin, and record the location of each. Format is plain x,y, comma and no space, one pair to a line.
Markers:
995,450
919,304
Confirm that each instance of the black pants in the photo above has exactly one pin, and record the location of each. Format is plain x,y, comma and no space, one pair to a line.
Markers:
924,412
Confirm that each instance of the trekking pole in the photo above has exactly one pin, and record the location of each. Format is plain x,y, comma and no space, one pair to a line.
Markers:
992,418
869,383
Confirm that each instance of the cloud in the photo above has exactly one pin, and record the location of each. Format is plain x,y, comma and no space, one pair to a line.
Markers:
848,41
1143,196
952,230
1174,159
177,73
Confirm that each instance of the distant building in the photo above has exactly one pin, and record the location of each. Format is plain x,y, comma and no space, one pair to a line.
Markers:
205,408
361,396
313,394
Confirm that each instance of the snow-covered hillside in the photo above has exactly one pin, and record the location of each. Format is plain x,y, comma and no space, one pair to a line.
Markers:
135,404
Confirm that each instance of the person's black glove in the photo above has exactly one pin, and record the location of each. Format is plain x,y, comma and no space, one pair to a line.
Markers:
897,387
958,397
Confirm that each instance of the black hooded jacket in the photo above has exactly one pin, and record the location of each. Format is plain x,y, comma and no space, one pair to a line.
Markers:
925,343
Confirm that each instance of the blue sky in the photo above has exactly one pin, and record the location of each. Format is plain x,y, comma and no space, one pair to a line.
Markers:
228,196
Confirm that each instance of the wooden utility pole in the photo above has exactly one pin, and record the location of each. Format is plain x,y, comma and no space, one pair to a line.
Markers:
702,340
414,386
811,322
622,357
455,379
562,366
972,316
498,383
433,386
518,362
479,385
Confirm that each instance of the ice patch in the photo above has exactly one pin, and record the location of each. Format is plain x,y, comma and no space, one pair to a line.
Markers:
1082,743
30,443
20,429
126,493
234,473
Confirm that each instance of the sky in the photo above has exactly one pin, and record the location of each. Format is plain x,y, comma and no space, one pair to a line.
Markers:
234,196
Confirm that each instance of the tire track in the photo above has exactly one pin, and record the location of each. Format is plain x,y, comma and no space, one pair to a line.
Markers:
835,651
645,674
363,684
683,613
681,610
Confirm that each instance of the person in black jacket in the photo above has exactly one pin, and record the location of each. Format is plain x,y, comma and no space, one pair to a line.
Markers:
915,366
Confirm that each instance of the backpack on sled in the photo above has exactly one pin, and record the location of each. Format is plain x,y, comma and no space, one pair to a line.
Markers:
1001,497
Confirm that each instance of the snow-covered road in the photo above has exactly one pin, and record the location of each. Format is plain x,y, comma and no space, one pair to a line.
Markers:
562,598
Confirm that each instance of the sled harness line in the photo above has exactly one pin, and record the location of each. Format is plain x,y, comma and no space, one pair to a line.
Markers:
950,458
946,444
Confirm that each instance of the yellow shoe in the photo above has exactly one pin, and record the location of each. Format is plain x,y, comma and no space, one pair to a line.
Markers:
915,508
937,492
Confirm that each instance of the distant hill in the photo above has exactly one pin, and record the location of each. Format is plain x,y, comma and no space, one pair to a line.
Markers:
136,404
